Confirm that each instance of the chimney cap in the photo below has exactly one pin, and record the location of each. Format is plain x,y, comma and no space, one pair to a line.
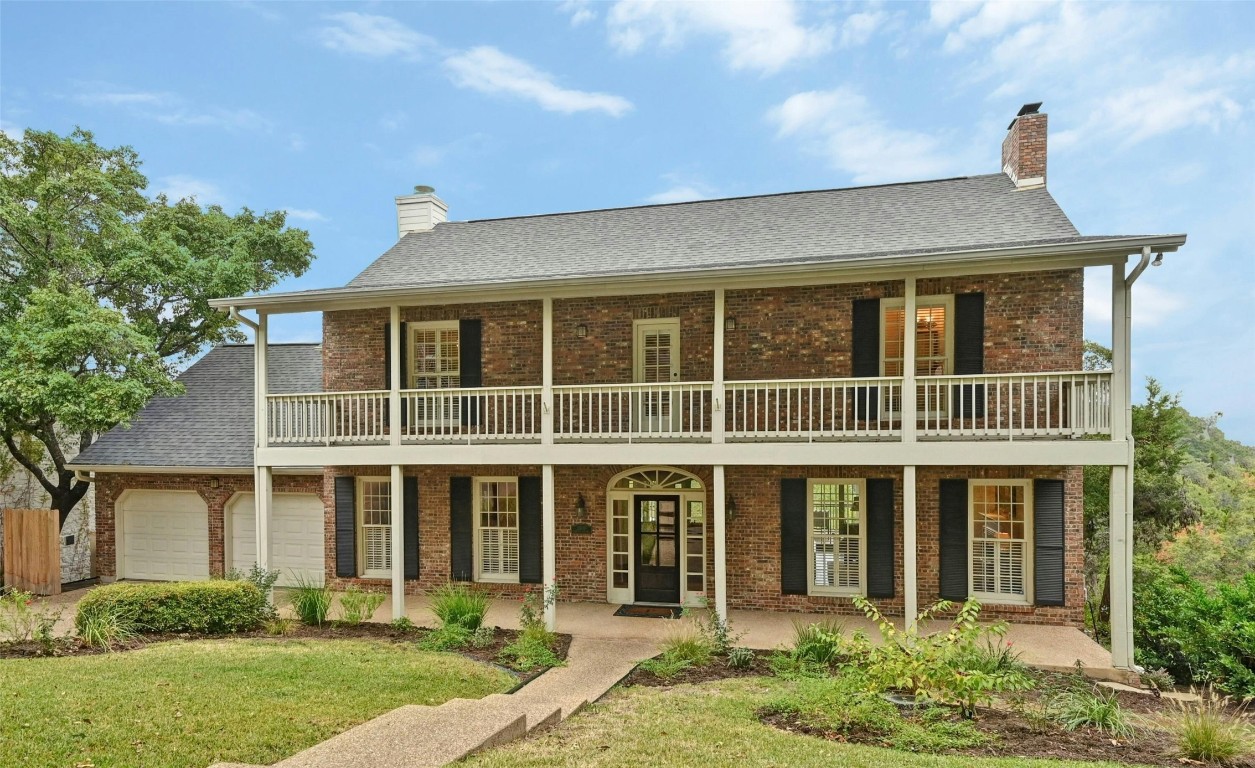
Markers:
423,189
1028,109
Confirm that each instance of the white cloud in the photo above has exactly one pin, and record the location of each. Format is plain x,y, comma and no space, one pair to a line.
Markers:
373,36
681,189
488,70
858,28
305,214
581,11
171,108
1153,306
758,36
10,130
181,187
123,98
943,13
842,127
991,20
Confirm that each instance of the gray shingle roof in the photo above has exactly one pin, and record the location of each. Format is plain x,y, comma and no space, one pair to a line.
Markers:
211,424
798,227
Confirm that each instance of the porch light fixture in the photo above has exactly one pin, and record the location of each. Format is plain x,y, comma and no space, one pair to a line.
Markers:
729,323
214,482
581,330
581,509
1158,262
729,508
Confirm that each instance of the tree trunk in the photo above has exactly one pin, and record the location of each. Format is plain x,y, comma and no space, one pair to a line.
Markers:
69,493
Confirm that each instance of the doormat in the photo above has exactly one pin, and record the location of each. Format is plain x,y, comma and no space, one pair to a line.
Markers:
649,611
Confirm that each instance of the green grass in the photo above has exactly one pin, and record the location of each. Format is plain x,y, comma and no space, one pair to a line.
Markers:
708,725
196,703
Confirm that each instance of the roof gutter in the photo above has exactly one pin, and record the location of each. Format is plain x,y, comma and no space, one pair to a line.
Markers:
237,317
1100,250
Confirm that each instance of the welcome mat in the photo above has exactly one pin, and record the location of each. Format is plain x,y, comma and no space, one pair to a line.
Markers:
649,611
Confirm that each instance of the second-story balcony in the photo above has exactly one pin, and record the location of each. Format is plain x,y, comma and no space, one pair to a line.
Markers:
1052,405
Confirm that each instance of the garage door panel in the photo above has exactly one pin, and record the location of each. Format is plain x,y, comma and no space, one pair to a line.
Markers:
296,536
165,536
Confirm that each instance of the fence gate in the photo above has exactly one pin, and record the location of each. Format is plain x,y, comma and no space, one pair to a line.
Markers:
32,550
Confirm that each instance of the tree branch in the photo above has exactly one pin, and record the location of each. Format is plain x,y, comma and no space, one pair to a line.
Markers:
35,470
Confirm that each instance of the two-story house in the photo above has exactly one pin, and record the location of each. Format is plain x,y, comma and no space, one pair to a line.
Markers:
771,402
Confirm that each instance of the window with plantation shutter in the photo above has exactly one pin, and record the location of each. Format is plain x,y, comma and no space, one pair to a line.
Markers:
1000,525
374,506
934,345
836,532
497,529
435,363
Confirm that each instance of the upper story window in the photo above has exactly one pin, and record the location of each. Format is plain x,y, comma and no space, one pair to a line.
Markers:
497,529
934,336
836,527
435,354
374,510
999,516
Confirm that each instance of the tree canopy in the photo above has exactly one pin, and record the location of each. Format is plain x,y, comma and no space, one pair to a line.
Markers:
105,291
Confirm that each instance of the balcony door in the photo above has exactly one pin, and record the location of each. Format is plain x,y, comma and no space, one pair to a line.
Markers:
656,360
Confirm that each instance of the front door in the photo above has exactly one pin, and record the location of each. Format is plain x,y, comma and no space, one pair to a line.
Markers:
657,549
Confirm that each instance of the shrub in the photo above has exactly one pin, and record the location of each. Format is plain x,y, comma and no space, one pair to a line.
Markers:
357,606
1159,679
684,642
838,704
665,667
822,643
209,607
1093,707
788,665
279,626
105,630
936,730
528,652
311,601
715,629
934,667
1206,731
740,658
23,619
458,604
483,637
403,624
260,577
447,637
993,657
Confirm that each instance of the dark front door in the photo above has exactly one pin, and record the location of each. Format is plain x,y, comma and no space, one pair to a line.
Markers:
657,549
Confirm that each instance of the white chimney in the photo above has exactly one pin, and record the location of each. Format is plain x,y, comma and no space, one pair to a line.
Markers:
420,212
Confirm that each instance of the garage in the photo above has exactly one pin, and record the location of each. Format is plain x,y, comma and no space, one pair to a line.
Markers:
296,535
165,536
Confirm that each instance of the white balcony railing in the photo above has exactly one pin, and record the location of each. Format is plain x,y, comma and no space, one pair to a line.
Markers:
1067,404
483,414
811,409
614,412
327,418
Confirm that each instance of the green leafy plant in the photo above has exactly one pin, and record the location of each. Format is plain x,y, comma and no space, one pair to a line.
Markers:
447,637
23,618
357,605
665,667
715,629
279,626
205,607
933,667
789,665
403,624
261,578
687,643
842,705
533,605
483,637
994,656
1208,732
1091,707
459,605
528,652
740,658
106,630
821,643
1158,679
936,730
311,601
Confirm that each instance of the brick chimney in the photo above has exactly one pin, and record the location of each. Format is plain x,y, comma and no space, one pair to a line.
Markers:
1024,148
420,212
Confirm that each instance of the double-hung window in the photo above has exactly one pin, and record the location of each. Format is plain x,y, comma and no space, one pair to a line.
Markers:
374,514
836,527
934,344
435,363
497,529
1000,546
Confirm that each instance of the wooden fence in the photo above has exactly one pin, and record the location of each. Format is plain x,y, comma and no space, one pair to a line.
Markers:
32,550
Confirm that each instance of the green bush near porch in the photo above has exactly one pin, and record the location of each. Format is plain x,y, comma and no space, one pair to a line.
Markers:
202,607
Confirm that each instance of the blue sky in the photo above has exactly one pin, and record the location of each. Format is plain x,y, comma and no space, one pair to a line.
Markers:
330,110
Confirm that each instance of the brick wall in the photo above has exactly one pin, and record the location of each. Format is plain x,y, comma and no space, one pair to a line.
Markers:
1024,148
110,486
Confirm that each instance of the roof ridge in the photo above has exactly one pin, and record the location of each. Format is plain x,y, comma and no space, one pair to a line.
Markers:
270,344
717,200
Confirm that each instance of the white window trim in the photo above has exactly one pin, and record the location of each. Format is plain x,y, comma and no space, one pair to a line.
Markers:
825,591
428,325
361,528
492,578
941,300
995,598
639,327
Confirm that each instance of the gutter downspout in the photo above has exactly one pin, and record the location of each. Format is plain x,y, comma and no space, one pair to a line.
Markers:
1128,281
237,317
83,477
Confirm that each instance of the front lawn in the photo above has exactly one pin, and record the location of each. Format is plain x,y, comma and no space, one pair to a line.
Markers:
195,703
713,724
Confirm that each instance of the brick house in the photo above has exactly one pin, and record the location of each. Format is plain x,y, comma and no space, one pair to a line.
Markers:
771,402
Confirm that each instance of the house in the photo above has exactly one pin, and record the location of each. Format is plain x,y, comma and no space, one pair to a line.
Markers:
770,402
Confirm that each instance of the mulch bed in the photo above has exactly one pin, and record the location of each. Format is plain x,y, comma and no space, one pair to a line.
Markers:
716,670
329,631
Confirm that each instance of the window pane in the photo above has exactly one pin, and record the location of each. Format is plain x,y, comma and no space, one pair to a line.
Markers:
375,514
498,529
836,535
999,544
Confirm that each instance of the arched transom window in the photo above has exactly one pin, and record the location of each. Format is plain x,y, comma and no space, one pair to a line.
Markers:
657,480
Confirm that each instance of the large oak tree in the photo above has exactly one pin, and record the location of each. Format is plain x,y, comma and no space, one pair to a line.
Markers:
104,293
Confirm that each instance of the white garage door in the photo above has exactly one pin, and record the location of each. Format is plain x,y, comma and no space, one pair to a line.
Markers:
165,535
296,536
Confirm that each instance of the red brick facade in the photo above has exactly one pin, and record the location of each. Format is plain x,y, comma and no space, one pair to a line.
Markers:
1024,148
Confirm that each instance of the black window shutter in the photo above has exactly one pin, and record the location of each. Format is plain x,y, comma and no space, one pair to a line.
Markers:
969,352
865,355
793,555
880,538
410,502
471,366
346,527
953,540
531,543
461,527
1048,542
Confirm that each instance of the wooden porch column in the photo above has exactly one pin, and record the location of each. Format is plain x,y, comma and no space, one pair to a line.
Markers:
546,367
394,378
549,537
1120,516
396,486
720,493
263,501
262,476
910,579
909,401
717,421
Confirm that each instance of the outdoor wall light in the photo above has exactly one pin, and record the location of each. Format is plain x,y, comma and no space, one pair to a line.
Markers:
729,324
214,482
729,508
581,330
581,509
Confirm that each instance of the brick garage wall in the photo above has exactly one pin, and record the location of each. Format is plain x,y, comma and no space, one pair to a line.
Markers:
353,344
1032,323
604,356
111,486
927,489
